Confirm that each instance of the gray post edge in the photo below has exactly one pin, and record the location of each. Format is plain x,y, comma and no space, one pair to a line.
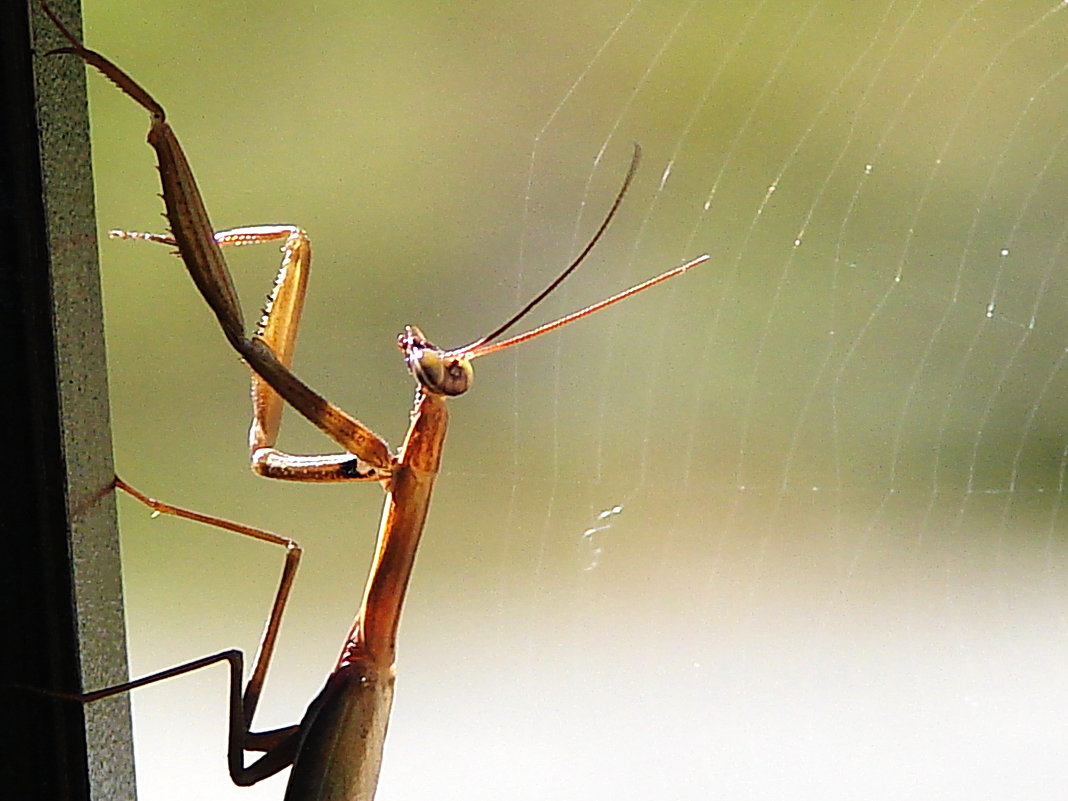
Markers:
62,622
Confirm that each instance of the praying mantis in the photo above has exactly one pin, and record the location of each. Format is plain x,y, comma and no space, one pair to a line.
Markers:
336,749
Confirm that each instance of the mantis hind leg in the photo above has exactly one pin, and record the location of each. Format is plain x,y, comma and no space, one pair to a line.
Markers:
279,746
251,695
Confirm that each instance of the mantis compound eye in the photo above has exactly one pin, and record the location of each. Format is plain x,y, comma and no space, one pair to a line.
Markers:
442,374
438,372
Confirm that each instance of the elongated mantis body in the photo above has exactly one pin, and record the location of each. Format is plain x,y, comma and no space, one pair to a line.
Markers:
336,749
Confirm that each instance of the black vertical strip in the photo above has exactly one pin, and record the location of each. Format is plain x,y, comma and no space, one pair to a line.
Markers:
44,753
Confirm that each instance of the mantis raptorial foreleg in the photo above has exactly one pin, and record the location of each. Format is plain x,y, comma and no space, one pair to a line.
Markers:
277,330
202,256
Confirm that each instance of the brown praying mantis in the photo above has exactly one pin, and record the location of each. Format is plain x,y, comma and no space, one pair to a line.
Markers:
336,749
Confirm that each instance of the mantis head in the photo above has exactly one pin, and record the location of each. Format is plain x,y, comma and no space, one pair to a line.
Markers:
437,371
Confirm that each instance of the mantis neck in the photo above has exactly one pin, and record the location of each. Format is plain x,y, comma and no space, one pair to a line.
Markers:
374,632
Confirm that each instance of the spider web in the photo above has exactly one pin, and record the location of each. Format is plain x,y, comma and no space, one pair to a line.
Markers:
788,526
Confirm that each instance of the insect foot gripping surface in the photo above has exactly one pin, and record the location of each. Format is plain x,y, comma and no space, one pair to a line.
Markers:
344,729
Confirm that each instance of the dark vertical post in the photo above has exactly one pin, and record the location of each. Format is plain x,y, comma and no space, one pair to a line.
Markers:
61,619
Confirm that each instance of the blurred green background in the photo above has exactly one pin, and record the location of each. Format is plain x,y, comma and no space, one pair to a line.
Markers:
840,567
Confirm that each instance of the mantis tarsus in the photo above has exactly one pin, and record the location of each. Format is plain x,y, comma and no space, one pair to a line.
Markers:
336,749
